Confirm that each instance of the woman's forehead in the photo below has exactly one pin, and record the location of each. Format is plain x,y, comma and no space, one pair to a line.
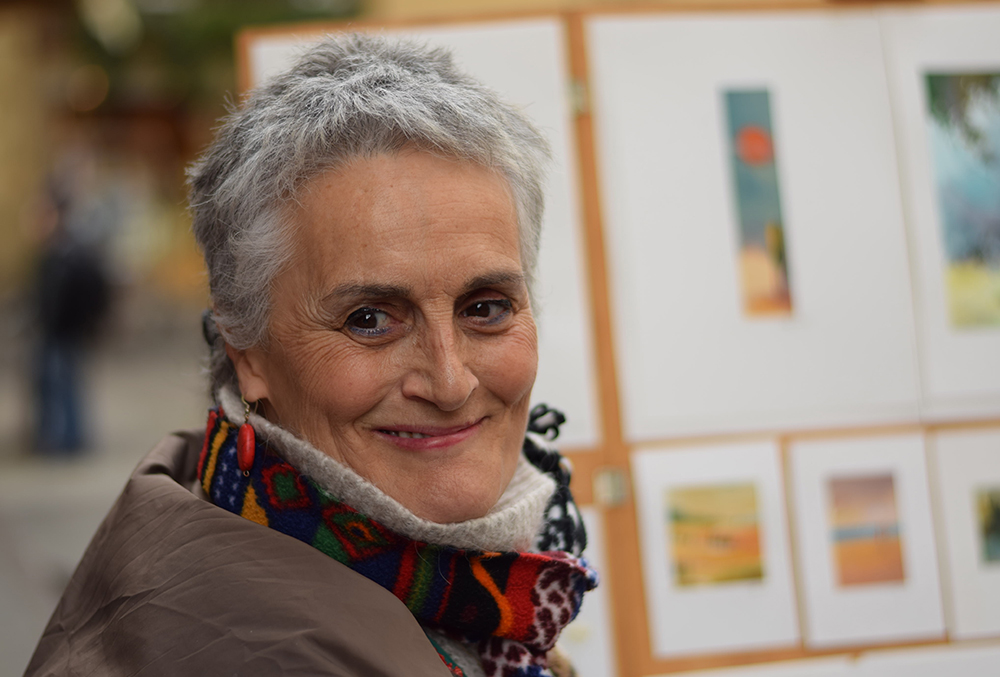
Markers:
406,220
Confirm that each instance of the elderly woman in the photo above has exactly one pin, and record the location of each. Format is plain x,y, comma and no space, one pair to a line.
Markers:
365,500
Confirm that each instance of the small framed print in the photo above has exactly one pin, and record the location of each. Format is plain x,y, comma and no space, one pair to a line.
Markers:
968,488
714,549
865,540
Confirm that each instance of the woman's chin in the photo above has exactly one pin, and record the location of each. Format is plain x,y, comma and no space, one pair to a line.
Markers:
453,507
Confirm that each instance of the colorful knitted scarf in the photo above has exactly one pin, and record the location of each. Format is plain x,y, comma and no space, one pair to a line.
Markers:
511,605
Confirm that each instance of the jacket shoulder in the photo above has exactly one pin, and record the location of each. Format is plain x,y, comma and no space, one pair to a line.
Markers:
171,584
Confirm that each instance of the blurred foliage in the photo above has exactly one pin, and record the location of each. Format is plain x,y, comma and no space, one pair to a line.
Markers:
185,53
952,98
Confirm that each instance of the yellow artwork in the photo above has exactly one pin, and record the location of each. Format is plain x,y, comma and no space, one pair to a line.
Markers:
715,534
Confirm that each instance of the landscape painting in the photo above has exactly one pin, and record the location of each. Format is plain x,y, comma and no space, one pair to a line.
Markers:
964,128
865,530
988,511
763,262
715,534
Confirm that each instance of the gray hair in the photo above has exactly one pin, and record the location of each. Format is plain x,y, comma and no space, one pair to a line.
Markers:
350,96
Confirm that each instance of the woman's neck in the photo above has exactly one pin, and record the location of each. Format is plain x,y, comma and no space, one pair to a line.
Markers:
511,525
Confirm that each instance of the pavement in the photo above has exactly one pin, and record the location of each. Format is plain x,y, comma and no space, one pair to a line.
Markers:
138,389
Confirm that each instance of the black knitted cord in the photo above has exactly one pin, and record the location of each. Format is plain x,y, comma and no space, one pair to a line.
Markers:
563,528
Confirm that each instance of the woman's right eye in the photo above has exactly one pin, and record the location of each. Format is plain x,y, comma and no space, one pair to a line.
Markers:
368,322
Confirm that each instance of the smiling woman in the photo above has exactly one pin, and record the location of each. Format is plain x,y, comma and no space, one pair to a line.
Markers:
402,341
365,499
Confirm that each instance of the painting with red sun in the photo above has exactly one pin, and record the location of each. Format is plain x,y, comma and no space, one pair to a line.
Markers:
763,262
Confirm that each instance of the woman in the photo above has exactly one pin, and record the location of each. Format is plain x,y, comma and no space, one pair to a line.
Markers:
370,225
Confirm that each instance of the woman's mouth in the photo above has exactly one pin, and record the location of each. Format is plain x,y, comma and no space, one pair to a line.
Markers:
418,438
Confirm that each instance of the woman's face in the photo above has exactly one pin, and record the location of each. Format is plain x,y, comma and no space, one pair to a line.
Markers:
402,340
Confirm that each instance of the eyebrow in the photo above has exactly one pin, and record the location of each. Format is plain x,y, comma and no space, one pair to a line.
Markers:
497,279
353,290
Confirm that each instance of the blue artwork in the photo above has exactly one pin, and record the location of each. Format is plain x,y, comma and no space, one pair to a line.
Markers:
763,265
964,128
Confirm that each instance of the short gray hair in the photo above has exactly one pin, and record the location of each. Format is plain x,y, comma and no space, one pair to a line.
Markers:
349,96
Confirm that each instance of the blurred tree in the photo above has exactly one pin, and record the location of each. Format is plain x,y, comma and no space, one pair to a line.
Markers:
952,99
167,53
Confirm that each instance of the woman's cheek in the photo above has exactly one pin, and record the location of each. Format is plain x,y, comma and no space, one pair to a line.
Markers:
512,369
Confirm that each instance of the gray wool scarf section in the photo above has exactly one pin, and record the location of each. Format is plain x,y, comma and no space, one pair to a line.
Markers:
511,525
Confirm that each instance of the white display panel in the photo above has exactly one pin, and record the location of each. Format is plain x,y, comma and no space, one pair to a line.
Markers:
525,61
966,661
865,541
700,599
960,366
968,475
691,362
589,640
839,666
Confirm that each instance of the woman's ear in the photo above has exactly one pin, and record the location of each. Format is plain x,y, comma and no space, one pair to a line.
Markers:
250,372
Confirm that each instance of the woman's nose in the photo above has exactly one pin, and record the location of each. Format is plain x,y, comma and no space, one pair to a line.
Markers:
441,373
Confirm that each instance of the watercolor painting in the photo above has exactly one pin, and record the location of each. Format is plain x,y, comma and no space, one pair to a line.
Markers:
964,128
988,511
763,260
715,534
866,534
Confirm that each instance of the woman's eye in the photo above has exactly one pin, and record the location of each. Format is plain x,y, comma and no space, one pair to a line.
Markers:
368,322
491,311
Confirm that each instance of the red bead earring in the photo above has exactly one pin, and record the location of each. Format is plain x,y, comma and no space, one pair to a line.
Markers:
246,445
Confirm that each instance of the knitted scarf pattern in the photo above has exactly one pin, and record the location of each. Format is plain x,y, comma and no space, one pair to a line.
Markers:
511,605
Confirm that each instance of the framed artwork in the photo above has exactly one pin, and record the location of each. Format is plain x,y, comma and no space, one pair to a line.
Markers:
729,145
763,261
930,662
589,640
713,541
968,486
865,540
523,60
964,137
944,67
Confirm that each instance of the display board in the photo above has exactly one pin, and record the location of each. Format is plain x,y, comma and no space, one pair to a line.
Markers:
589,639
765,299
524,61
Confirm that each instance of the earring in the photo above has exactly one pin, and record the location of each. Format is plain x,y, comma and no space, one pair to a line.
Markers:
246,445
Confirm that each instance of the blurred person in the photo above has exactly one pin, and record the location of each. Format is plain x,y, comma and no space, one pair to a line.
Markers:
71,298
372,494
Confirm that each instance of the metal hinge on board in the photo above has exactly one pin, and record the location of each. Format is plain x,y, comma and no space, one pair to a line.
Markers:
579,97
610,487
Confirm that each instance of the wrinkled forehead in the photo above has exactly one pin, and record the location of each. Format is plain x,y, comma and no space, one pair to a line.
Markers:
389,219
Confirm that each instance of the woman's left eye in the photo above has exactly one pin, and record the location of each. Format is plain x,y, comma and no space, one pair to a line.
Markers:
368,322
488,312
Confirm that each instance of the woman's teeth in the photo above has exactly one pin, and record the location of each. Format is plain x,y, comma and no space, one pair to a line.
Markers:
400,433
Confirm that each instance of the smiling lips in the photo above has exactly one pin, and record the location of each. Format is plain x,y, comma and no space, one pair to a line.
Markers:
420,438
